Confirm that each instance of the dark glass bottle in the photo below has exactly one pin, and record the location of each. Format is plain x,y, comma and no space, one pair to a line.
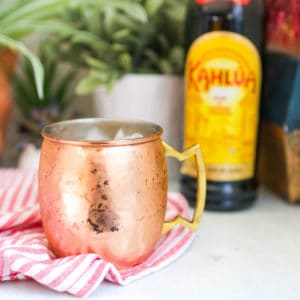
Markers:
231,184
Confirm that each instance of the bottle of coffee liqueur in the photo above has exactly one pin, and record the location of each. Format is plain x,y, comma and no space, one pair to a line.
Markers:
222,90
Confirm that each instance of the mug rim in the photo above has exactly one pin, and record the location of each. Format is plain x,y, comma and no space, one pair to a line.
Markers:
156,132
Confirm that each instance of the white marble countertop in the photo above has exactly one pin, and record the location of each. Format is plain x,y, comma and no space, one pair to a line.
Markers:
253,254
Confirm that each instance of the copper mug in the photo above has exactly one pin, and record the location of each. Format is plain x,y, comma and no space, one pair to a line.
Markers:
108,196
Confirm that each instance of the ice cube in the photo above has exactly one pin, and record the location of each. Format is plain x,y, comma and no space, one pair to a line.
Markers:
134,136
120,135
96,134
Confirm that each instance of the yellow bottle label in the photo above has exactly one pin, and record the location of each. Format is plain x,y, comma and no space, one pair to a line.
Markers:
222,84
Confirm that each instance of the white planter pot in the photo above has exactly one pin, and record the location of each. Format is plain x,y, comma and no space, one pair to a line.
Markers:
155,98
29,158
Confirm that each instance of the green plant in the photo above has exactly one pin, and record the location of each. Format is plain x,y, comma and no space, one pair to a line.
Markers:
120,37
19,18
58,97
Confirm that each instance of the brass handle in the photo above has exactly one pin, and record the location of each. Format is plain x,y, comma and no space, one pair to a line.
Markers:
201,189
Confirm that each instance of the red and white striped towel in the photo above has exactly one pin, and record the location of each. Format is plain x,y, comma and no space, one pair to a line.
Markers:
24,251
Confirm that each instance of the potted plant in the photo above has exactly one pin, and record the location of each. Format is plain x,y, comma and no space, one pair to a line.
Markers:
132,51
58,97
19,18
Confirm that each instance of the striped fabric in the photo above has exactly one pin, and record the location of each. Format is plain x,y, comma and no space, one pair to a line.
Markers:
24,252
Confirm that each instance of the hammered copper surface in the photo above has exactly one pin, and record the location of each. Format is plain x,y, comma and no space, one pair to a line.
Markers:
103,197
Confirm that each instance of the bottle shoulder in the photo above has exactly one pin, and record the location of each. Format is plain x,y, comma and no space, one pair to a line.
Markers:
246,20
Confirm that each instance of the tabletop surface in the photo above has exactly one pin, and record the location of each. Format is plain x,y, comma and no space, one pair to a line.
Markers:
253,254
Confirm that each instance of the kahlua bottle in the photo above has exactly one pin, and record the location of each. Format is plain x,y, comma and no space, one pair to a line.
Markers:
222,93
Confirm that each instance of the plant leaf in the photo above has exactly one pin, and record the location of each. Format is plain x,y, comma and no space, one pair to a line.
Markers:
152,6
62,90
125,61
87,38
54,26
133,10
6,7
96,79
88,84
121,34
22,102
97,64
34,60
34,9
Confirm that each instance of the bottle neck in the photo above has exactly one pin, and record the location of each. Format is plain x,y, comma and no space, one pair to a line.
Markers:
226,15
226,20
221,15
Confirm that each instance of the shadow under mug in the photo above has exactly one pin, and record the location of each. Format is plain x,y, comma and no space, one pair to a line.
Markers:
108,196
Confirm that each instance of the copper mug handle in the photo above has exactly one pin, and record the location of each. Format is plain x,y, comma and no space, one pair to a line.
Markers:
201,189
